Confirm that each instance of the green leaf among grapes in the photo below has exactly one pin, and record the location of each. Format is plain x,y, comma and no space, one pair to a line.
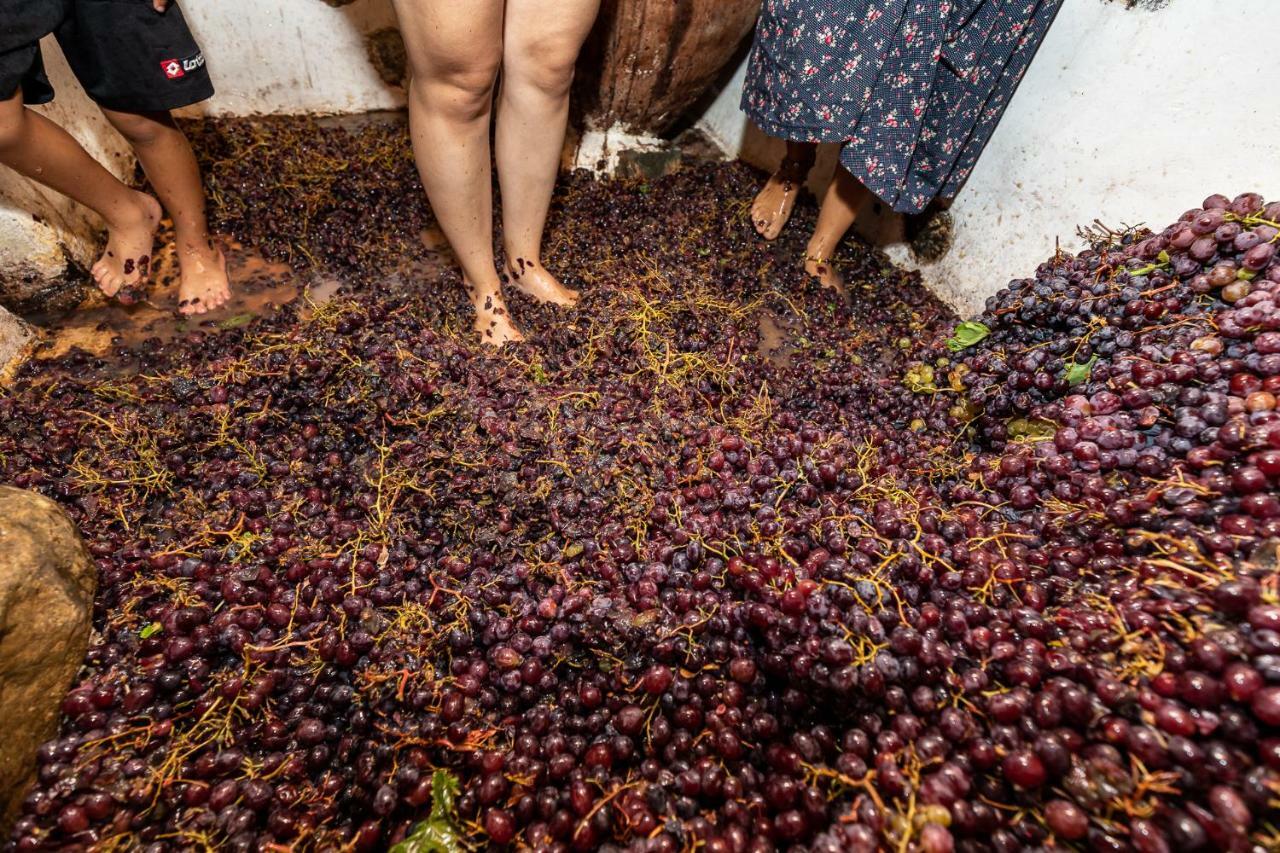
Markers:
966,335
439,833
236,322
1078,373
151,630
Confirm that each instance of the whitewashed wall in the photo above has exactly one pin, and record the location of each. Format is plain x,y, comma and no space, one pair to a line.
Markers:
1126,115
282,56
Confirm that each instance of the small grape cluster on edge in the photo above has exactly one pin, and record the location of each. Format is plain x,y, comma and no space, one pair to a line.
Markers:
645,588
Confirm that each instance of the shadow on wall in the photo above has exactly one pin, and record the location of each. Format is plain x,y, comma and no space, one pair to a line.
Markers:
376,21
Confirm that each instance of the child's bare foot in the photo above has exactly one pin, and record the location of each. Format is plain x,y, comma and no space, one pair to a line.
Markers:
824,270
534,280
493,321
127,258
204,284
775,202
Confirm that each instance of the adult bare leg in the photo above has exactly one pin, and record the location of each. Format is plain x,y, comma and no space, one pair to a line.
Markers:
455,50
773,205
839,210
541,42
167,159
37,148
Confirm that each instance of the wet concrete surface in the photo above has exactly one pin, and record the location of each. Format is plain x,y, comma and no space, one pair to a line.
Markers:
100,325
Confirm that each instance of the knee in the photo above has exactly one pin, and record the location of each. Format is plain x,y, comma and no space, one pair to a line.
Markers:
139,131
461,90
545,67
13,118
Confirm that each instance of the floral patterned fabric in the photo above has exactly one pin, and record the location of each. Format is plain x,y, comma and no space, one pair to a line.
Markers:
913,89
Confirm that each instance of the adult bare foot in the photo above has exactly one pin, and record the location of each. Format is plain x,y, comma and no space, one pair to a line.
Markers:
130,238
824,270
204,285
493,321
775,202
533,279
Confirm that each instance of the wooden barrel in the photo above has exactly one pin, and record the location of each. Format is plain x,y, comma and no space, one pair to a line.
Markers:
648,61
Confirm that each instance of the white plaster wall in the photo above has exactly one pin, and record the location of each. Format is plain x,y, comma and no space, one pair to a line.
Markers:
291,56
1126,115
282,56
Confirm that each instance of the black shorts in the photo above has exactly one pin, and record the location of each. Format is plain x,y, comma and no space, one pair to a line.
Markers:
128,56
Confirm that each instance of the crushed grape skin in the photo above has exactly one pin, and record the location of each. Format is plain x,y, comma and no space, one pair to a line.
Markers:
670,573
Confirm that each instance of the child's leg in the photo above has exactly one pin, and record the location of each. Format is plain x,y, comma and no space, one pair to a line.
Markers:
39,149
541,44
839,210
166,157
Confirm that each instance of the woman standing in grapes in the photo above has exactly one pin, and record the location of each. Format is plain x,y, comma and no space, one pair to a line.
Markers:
456,49
911,89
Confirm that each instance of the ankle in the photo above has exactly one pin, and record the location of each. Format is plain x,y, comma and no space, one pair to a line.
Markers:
795,170
197,243
817,253
485,296
519,262
135,210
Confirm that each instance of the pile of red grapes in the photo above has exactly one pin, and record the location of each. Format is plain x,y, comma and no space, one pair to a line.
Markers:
666,580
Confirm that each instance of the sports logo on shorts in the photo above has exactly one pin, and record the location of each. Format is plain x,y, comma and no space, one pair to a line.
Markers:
177,68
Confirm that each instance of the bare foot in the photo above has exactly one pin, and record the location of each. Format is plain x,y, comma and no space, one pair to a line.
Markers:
772,208
493,322
533,280
824,270
127,258
204,284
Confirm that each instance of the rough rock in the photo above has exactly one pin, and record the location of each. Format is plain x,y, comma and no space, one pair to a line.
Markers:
14,338
47,583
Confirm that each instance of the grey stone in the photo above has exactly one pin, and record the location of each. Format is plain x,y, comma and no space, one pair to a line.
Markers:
15,336
47,584
31,289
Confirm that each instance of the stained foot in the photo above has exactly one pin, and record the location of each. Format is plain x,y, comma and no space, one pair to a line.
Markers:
824,270
127,258
532,279
772,208
204,285
493,321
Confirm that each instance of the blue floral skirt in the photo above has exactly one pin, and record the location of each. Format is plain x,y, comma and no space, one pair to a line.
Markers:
912,88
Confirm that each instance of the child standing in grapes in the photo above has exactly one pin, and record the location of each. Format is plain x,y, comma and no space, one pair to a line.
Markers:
137,61
912,90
